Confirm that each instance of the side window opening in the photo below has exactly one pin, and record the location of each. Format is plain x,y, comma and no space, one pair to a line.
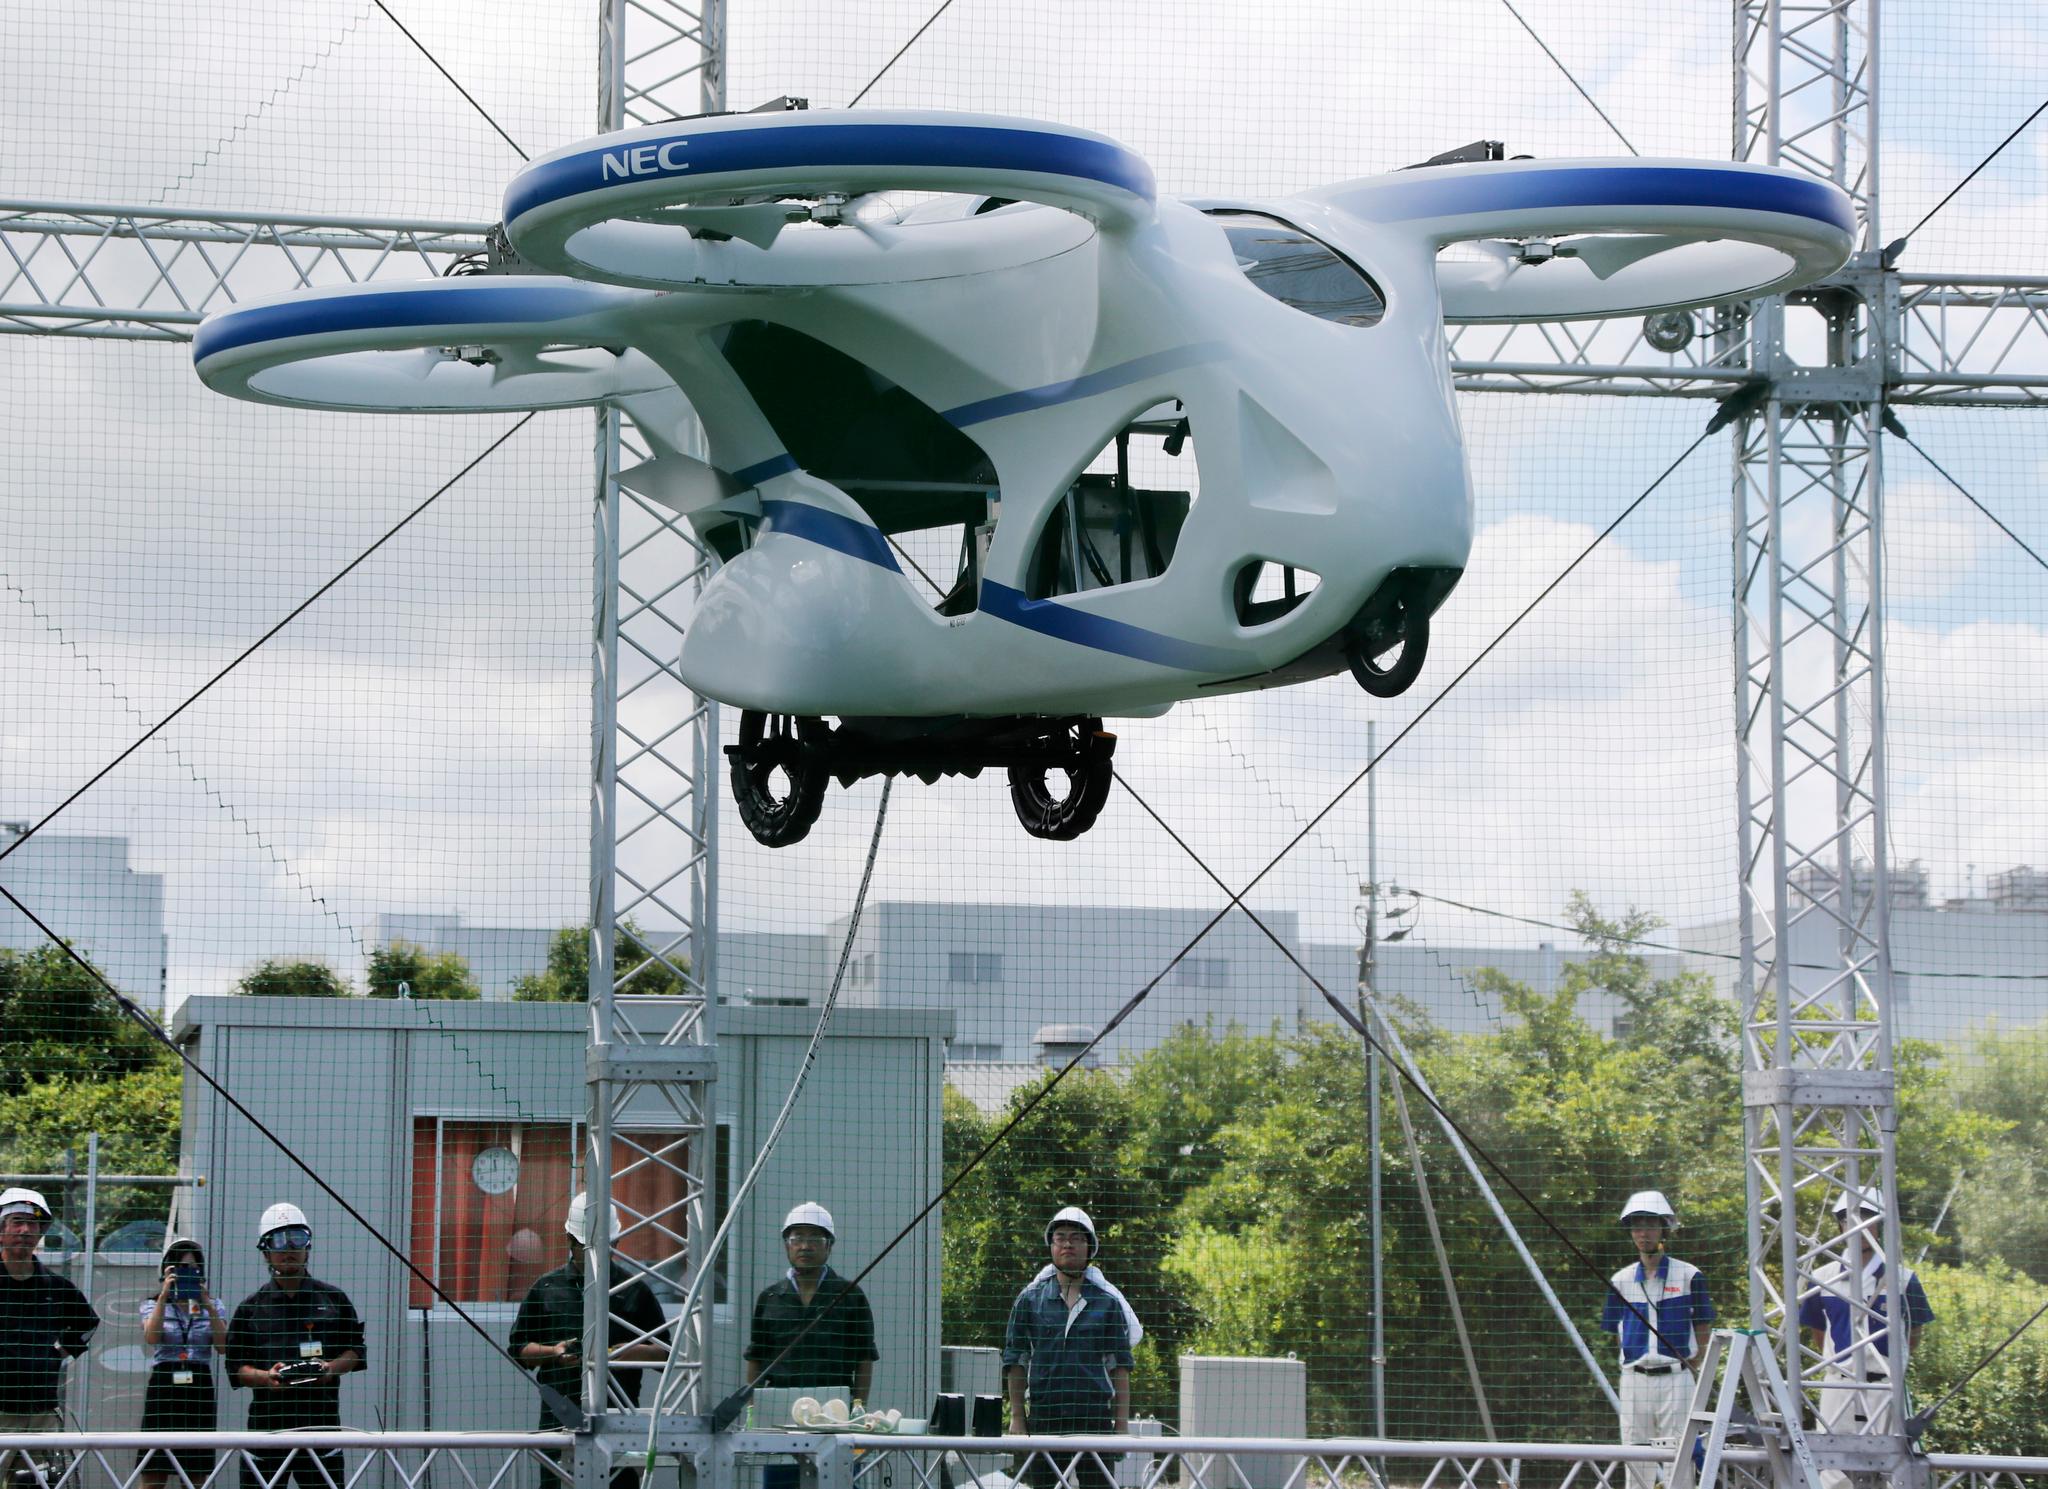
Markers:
1121,519
1264,591
928,486
1299,271
946,560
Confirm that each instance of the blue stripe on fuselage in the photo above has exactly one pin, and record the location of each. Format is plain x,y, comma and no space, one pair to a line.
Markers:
829,530
1083,628
1087,385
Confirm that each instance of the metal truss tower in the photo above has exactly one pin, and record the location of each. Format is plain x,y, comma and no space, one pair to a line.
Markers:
1817,373
651,1061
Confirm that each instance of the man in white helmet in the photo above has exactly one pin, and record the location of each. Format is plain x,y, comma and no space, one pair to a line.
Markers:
1067,1357
1659,1309
44,1321
289,1344
547,1334
1842,1312
813,1327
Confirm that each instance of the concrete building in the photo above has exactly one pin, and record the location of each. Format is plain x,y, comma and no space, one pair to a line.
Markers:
454,1129
84,888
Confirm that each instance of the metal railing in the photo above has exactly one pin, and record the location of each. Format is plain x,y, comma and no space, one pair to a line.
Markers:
407,1460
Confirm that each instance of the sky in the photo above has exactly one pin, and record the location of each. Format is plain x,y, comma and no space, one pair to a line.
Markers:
419,740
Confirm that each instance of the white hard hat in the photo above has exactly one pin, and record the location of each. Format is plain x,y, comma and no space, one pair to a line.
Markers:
24,1202
1075,1215
577,1221
811,1213
278,1217
1869,1201
1650,1202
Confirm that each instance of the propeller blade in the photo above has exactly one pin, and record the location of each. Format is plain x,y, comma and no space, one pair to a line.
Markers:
758,223
1606,255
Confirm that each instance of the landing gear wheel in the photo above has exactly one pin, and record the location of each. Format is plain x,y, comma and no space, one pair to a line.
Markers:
1393,678
777,782
1063,814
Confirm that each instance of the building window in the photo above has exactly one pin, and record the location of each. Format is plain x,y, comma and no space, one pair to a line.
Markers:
864,969
489,1199
981,1054
974,966
1203,971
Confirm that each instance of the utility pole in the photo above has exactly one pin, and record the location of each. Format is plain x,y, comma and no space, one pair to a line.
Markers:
1366,978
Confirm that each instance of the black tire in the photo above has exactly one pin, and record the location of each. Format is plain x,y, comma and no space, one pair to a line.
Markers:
1394,679
770,743
1067,814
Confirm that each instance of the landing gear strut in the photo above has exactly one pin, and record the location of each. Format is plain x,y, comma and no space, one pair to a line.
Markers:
778,776
1050,811
1059,768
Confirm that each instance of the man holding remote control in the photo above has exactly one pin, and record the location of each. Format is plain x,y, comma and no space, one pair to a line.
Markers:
289,1344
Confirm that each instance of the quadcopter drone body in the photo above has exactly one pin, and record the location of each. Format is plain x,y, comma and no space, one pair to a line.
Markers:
949,459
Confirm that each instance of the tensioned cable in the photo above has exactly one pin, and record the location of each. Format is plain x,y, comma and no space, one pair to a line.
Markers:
1892,426
1724,956
452,82
1569,78
944,6
729,1408
565,1410
293,614
1917,1423
1897,246
705,1263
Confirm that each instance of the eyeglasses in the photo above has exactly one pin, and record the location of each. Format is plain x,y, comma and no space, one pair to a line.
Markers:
287,1238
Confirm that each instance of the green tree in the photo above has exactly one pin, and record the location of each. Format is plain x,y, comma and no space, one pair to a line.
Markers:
566,977
278,979
136,1116
2002,1204
57,1020
2004,1409
426,974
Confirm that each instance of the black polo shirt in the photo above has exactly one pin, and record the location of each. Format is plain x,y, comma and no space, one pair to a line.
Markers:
840,1343
272,1326
44,1320
553,1311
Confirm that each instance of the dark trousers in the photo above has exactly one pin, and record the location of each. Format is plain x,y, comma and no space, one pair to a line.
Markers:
1069,1470
279,1468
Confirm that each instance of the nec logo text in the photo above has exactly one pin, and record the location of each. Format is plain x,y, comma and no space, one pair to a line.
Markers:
646,160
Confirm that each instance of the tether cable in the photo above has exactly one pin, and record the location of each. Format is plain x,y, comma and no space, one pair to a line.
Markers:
452,82
727,1410
1893,426
1570,79
944,6
565,1410
1897,246
293,614
705,1263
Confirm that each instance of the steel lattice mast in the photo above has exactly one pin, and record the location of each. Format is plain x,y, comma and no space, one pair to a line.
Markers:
653,816
1815,978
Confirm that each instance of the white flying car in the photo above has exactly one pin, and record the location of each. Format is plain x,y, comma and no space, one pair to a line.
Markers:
949,451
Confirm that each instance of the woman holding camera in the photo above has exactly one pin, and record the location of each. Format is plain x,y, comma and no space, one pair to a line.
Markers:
181,1329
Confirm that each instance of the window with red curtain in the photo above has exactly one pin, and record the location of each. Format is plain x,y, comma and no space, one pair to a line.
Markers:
489,1199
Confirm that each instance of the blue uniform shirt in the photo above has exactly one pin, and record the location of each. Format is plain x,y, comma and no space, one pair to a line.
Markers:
1679,1292
1069,1354
1828,1304
187,1337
